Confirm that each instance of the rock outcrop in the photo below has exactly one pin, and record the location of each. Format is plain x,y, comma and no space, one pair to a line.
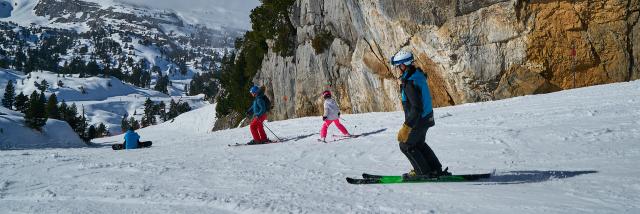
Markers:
471,50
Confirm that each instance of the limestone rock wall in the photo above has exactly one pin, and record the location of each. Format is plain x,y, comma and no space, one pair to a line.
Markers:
471,50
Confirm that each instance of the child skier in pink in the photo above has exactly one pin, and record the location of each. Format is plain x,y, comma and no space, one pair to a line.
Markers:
331,115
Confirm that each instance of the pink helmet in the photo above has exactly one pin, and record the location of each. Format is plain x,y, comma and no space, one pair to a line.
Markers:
326,93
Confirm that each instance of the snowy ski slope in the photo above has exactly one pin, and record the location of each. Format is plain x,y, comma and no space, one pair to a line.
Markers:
568,152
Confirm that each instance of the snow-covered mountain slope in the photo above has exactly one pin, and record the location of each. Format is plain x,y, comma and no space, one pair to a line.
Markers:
112,32
218,15
211,13
15,135
105,100
568,152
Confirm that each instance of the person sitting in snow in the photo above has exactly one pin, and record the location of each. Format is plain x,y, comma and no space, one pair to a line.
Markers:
258,110
132,141
418,118
331,115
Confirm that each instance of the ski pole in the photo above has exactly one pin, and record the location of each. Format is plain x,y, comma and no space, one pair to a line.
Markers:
271,132
342,119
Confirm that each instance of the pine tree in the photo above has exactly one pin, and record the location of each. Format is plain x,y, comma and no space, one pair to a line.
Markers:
71,116
9,95
173,110
52,107
133,123
182,64
92,133
63,109
22,103
82,126
146,79
43,100
162,111
136,76
102,130
162,84
184,107
43,86
35,117
124,123
149,117
92,68
20,59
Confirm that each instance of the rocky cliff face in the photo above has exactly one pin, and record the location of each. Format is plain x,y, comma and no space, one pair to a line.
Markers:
471,50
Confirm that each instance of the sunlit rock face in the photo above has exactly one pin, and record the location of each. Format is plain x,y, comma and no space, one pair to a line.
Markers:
471,50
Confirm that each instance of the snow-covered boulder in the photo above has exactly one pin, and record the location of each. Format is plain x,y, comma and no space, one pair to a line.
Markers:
14,134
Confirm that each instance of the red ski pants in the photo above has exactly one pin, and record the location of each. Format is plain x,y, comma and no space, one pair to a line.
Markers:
257,129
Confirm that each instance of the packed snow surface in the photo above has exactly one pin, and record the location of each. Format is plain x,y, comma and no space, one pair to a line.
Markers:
568,152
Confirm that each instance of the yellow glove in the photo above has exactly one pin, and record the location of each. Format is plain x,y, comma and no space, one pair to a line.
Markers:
403,134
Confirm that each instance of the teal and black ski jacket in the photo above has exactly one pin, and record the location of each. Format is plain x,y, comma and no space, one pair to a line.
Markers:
416,98
259,106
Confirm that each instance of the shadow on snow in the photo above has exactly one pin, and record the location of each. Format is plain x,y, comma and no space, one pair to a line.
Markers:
297,138
371,133
531,176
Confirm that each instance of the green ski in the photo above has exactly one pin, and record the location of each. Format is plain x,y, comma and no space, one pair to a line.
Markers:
393,179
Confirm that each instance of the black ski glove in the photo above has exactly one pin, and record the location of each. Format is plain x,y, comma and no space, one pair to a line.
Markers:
324,118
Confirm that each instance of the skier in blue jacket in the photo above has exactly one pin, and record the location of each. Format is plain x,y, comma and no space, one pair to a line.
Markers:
258,110
132,141
418,111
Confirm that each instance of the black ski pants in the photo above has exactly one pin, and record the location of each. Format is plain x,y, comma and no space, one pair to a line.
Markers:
419,153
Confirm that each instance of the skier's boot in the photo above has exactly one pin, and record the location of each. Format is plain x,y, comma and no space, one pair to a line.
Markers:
440,173
411,175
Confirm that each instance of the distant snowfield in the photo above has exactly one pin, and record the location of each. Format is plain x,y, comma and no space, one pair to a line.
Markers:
211,13
102,103
568,152
214,14
23,13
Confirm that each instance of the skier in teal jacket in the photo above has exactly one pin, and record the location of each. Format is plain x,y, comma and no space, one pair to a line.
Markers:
259,109
418,111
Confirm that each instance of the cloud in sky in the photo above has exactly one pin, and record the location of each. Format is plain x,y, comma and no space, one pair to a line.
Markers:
231,13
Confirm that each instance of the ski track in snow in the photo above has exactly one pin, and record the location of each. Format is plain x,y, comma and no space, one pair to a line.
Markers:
567,152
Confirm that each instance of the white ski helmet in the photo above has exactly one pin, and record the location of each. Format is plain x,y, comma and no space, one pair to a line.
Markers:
402,57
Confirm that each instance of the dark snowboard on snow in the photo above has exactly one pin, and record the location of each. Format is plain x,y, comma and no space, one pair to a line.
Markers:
145,144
